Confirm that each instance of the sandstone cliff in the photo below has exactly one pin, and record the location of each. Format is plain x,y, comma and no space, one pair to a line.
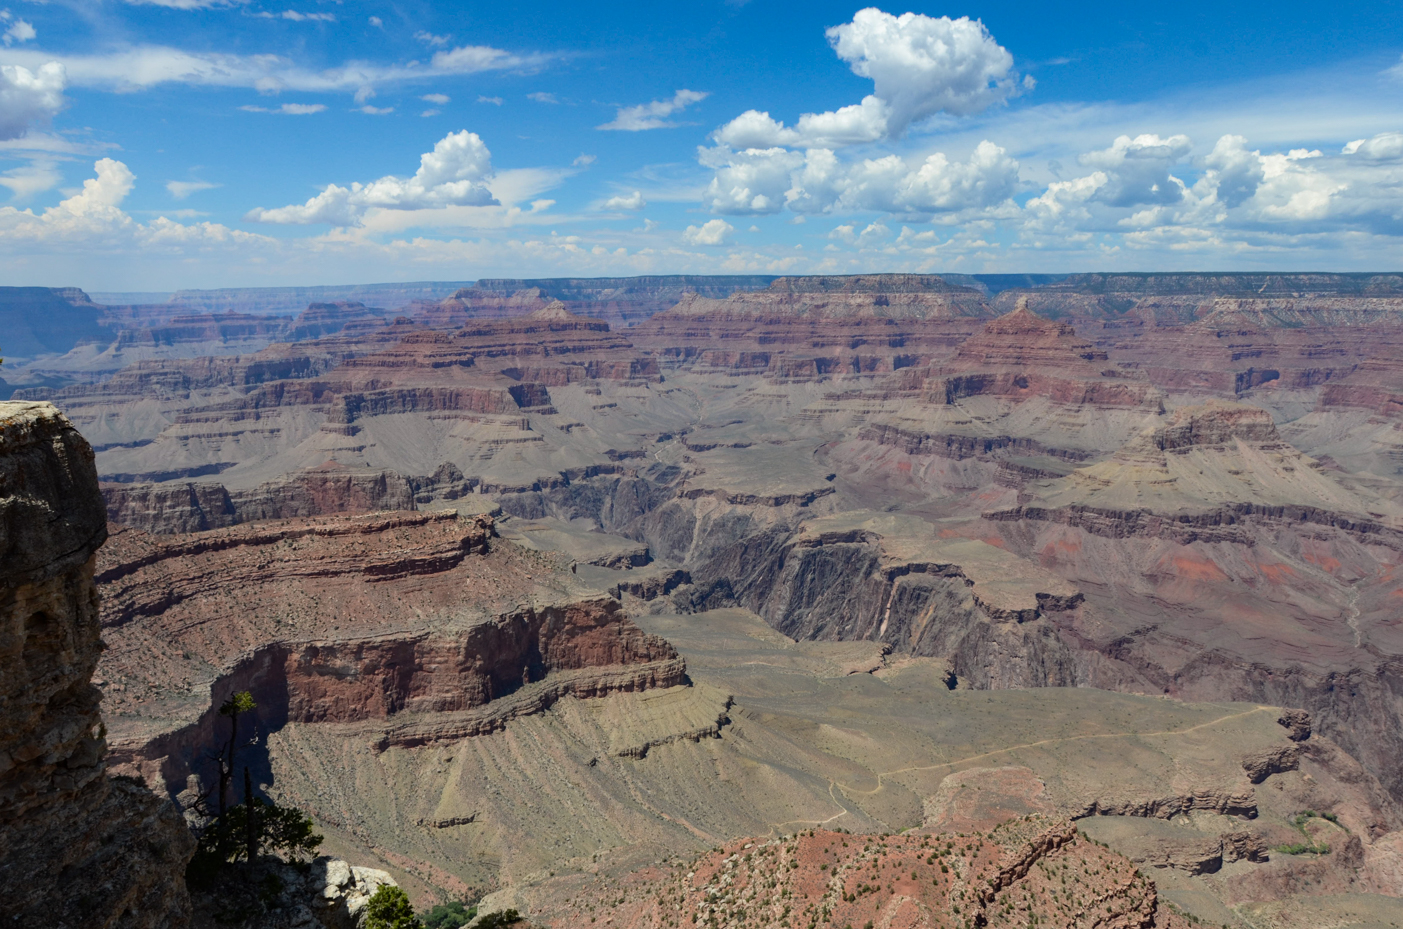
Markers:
77,849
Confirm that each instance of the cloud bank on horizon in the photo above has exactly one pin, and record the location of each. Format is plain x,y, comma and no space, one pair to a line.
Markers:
915,143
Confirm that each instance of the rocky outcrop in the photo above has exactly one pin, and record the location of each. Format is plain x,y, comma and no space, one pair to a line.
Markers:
323,319
77,848
1032,870
1276,760
1214,800
1298,722
206,331
325,893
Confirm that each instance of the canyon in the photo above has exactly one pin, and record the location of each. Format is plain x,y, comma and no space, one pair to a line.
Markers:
608,597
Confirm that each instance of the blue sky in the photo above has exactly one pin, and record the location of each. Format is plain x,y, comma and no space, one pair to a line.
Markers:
190,143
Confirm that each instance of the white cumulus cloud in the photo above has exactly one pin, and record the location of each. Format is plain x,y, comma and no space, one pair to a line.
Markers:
758,181
440,99
1386,146
18,30
455,173
1137,170
711,232
653,115
919,66
29,98
633,201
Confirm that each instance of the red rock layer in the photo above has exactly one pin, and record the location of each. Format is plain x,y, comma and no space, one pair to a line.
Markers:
1030,871
1020,356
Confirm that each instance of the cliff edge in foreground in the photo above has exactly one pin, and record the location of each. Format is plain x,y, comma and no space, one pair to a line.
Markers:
76,848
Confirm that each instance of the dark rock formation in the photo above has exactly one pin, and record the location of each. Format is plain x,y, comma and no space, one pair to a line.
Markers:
77,849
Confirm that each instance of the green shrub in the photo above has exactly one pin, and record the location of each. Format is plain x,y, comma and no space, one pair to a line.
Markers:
450,915
499,920
1303,848
389,908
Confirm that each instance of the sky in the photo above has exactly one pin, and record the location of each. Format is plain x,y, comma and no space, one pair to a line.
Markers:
163,144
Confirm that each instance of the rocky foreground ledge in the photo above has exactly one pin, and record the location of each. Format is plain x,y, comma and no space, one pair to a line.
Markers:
76,847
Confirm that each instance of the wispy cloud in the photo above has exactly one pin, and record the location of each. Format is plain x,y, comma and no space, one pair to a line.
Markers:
35,178
297,17
182,189
288,109
428,38
653,115
541,96
440,99
140,67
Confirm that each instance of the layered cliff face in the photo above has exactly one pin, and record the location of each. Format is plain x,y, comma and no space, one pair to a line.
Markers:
1216,559
407,619
1023,398
813,328
336,398
186,506
76,848
1180,298
1021,355
626,301
1213,458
